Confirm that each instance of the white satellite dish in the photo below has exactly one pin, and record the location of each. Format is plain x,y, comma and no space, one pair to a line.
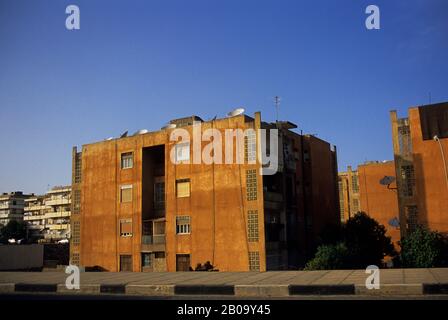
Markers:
141,131
387,180
235,112
169,126
110,138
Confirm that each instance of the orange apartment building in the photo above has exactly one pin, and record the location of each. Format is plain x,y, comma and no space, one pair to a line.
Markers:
361,190
420,150
135,210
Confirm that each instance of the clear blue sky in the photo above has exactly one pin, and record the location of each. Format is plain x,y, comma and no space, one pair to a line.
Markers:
137,64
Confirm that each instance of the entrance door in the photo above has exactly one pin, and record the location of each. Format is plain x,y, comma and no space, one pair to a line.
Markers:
182,262
125,263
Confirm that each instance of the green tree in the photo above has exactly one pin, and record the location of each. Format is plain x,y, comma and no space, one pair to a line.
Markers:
13,230
424,249
361,242
367,241
330,256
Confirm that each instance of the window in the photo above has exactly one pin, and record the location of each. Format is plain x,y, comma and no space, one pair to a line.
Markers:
75,259
355,184
159,195
78,167
76,234
355,208
182,262
76,201
183,188
159,255
252,225
126,228
146,259
250,146
411,217
251,184
182,151
407,176
183,225
126,193
254,261
125,262
127,160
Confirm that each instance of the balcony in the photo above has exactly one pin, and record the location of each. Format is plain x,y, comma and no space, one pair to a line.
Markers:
62,214
33,217
57,226
153,238
57,202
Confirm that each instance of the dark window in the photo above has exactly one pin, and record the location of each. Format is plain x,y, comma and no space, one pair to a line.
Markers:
182,262
159,195
408,179
251,184
146,259
159,255
125,263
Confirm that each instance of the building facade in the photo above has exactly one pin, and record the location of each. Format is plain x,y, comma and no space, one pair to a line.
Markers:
12,207
348,184
136,210
420,143
361,191
48,216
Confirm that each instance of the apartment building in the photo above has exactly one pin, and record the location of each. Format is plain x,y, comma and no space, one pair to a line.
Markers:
362,190
12,207
48,216
420,143
348,184
136,210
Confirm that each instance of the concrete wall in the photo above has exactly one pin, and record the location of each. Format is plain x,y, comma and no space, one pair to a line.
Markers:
21,257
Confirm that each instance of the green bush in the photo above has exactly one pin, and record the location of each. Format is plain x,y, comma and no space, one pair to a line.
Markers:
331,256
424,249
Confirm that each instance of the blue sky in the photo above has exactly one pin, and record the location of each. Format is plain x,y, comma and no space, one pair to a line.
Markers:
137,64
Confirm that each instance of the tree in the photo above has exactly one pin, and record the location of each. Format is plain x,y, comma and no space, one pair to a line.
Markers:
330,256
424,249
13,230
367,241
361,242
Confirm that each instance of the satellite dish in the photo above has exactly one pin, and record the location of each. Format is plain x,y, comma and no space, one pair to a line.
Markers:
387,180
169,126
394,222
141,131
124,134
236,112
110,138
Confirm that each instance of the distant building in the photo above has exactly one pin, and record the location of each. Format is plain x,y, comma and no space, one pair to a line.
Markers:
135,210
348,183
361,190
48,216
420,143
12,207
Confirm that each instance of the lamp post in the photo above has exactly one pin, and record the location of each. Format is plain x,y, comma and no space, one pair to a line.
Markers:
436,138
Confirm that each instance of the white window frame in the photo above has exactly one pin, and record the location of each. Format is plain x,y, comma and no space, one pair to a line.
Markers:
184,228
131,158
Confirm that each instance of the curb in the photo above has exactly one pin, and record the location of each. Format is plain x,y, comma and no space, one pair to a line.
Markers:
336,289
228,290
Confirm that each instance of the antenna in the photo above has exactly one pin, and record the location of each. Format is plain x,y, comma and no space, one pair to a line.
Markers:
277,105
429,97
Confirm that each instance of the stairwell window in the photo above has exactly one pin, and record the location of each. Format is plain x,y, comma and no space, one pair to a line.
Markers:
183,225
126,193
126,228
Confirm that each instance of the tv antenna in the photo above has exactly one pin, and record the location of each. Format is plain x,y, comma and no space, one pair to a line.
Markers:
277,105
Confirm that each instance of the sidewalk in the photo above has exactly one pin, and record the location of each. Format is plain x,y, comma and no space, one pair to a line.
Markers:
243,284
